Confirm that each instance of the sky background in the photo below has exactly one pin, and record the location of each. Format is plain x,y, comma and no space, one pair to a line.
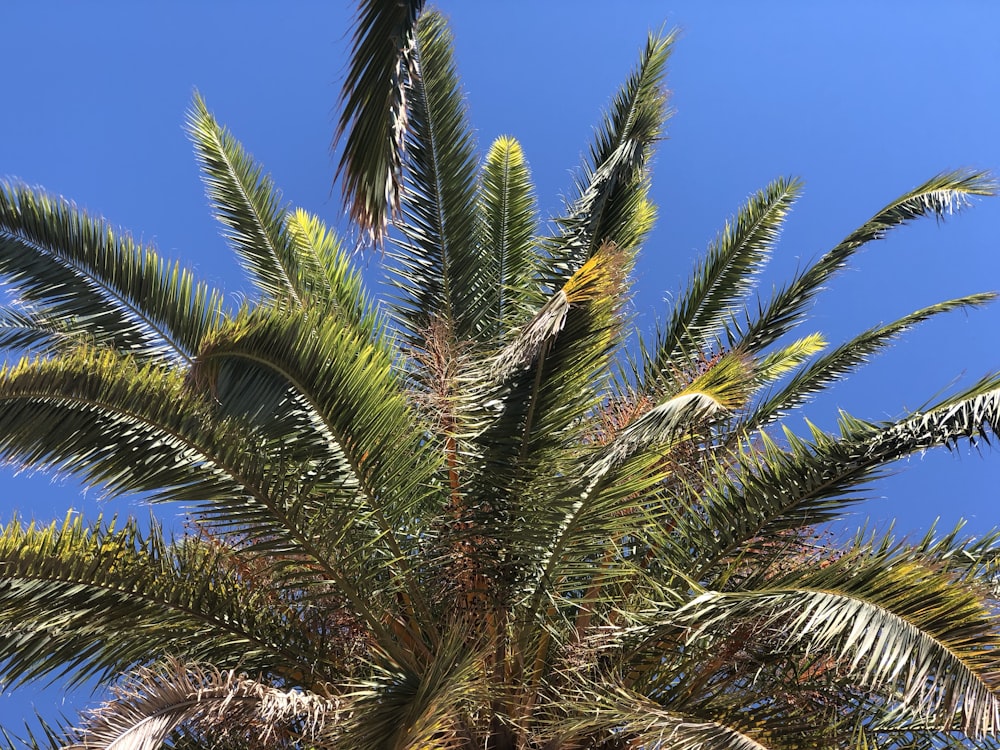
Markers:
863,100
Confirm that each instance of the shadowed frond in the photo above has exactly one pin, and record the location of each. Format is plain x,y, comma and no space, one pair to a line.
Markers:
111,412
26,329
552,373
351,391
374,114
431,706
603,709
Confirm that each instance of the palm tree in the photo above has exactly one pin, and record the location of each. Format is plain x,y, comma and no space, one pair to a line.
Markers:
485,513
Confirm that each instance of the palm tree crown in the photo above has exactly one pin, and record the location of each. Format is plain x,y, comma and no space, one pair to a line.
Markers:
486,512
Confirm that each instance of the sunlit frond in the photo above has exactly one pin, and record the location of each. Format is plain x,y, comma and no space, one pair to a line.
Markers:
93,600
770,489
721,281
509,227
611,204
158,702
248,205
898,626
828,369
940,196
82,275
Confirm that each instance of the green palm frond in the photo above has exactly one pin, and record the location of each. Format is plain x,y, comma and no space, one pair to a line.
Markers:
94,600
353,395
720,282
110,409
342,288
777,363
111,412
44,735
509,227
438,265
831,367
374,115
248,205
553,373
770,489
940,196
611,205
77,270
609,509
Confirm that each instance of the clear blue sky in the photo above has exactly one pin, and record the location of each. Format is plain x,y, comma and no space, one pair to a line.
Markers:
863,100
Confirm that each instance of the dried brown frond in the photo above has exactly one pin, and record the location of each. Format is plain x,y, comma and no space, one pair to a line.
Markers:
207,703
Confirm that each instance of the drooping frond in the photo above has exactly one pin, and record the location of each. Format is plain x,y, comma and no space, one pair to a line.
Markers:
79,273
940,196
264,490
898,626
95,600
611,205
351,391
155,703
509,224
720,282
438,263
374,114
361,424
109,410
847,357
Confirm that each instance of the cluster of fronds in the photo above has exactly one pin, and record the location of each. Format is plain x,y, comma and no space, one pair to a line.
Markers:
470,518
